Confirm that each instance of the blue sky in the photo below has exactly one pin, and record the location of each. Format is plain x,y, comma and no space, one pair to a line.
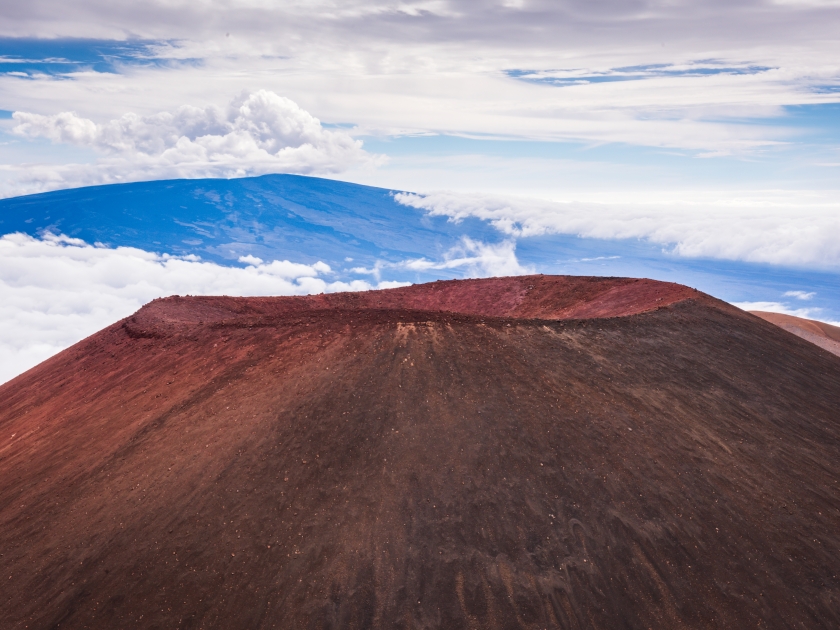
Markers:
694,141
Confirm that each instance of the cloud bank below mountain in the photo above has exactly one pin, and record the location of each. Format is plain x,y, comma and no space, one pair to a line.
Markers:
57,290
799,231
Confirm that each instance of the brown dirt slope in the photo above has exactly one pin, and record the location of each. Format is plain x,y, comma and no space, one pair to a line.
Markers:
454,455
819,333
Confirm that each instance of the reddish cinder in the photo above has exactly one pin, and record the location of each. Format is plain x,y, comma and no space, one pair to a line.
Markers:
526,452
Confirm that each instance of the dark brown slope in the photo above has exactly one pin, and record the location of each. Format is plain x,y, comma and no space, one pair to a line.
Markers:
230,463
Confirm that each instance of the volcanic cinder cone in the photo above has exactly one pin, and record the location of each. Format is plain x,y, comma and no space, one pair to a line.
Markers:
535,452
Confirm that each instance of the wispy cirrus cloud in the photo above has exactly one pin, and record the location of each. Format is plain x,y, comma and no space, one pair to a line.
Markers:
523,23
564,78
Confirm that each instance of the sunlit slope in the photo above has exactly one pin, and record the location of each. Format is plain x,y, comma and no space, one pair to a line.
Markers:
819,333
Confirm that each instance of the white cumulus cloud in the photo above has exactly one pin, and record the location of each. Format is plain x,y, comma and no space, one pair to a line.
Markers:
57,290
258,133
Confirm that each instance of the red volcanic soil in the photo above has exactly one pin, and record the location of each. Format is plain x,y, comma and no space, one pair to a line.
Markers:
542,297
536,452
819,333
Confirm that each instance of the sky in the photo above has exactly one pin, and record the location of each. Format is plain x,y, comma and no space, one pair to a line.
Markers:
707,129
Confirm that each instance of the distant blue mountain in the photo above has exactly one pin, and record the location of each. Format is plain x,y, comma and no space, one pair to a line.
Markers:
307,219
303,219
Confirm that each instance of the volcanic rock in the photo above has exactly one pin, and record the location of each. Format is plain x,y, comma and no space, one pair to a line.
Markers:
531,452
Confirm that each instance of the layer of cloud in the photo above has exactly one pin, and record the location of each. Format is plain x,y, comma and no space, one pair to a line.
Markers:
710,115
258,133
694,76
751,229
57,290
473,258
509,23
